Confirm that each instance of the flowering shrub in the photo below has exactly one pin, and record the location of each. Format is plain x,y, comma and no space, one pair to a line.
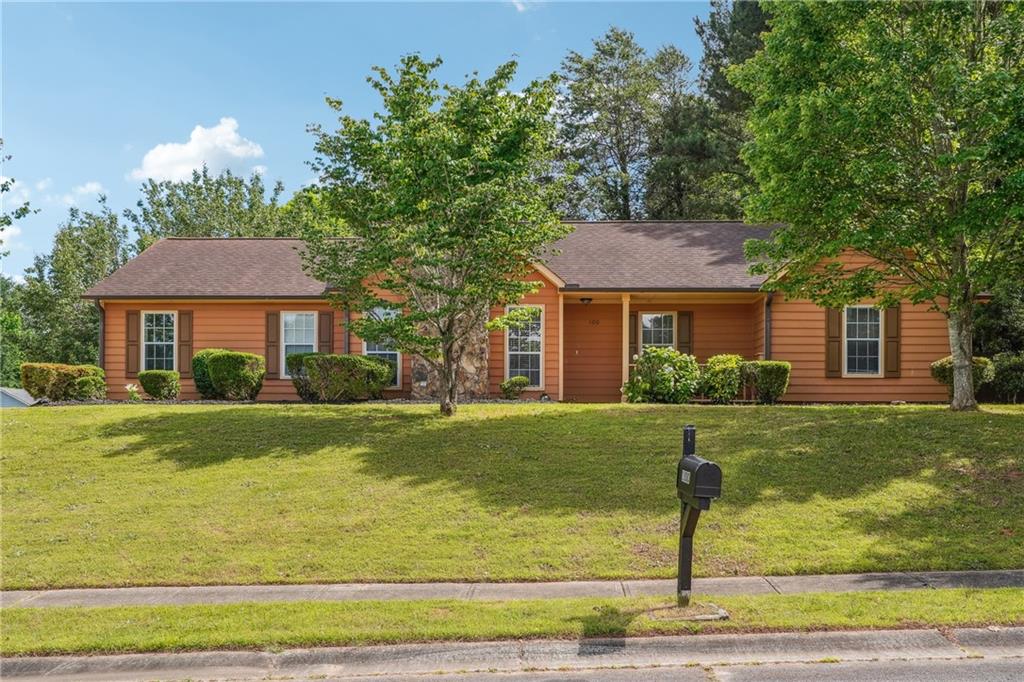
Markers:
133,393
663,375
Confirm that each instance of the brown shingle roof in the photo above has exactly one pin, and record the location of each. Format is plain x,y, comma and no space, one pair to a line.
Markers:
627,256
657,255
213,268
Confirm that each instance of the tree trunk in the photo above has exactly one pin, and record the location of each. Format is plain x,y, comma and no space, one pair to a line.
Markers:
961,344
449,380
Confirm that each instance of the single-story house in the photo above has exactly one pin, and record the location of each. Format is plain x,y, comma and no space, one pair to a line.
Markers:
611,289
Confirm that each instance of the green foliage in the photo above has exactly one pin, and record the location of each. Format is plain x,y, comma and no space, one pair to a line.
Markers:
721,379
1008,381
237,376
90,387
162,384
663,375
982,372
133,393
999,323
770,379
55,381
344,378
20,211
459,239
295,363
898,132
513,387
731,35
201,373
11,333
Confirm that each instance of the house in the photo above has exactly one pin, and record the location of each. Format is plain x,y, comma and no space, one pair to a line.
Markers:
611,289
15,397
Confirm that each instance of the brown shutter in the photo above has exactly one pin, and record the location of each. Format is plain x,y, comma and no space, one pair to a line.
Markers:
833,342
273,355
892,342
325,332
132,329
684,338
185,344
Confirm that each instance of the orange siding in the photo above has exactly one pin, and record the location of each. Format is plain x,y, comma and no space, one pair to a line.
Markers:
717,327
757,315
547,296
798,336
593,352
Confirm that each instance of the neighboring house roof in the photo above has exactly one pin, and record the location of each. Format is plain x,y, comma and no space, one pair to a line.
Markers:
657,255
12,396
616,256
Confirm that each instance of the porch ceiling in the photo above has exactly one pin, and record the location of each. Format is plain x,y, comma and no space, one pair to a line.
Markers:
574,297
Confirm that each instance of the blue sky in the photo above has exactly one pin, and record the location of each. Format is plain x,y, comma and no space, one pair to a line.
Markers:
90,92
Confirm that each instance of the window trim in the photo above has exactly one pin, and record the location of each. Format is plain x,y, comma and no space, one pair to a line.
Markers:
397,386
284,365
640,328
142,338
881,344
543,326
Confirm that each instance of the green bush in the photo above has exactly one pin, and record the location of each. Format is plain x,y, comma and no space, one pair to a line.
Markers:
513,387
300,380
721,379
201,373
770,379
55,381
162,384
663,375
1008,382
89,387
237,376
981,369
343,378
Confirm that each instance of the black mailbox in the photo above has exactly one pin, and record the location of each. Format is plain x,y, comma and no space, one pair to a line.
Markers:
698,481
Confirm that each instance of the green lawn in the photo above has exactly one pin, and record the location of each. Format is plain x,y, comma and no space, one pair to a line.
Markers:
194,494
173,628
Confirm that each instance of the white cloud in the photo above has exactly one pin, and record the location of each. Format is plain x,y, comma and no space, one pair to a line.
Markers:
43,184
81,191
525,5
219,147
18,278
520,5
259,169
9,236
18,193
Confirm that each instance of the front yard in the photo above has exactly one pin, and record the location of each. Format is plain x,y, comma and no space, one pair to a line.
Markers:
198,494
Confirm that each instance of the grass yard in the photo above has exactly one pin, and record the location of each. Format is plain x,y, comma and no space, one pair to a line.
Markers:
200,494
258,626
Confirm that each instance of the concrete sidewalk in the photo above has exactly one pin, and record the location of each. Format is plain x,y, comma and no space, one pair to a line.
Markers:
231,594
1002,646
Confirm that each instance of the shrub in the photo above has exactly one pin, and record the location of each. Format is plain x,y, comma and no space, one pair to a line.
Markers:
54,381
1008,382
89,387
201,373
162,384
770,379
663,375
981,370
300,380
237,376
513,387
721,379
342,378
133,393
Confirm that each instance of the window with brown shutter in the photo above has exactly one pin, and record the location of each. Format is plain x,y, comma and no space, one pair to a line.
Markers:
273,351
685,336
325,332
132,355
185,344
892,342
833,342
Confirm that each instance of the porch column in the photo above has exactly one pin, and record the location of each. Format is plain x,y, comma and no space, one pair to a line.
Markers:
625,340
561,347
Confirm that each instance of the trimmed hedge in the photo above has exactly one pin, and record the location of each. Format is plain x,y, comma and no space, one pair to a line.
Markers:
513,387
721,379
300,380
1008,382
981,369
663,375
201,373
89,387
770,379
237,376
55,381
162,384
343,378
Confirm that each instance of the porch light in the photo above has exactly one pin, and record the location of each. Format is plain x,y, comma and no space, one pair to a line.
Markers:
586,300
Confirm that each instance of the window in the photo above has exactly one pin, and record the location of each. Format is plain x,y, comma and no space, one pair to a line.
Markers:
863,327
524,345
383,350
298,335
158,340
658,329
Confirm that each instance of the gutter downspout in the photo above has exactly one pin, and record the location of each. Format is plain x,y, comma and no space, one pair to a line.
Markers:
103,316
768,326
346,342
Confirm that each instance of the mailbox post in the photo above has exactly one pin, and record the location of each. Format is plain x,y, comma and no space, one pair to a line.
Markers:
698,481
